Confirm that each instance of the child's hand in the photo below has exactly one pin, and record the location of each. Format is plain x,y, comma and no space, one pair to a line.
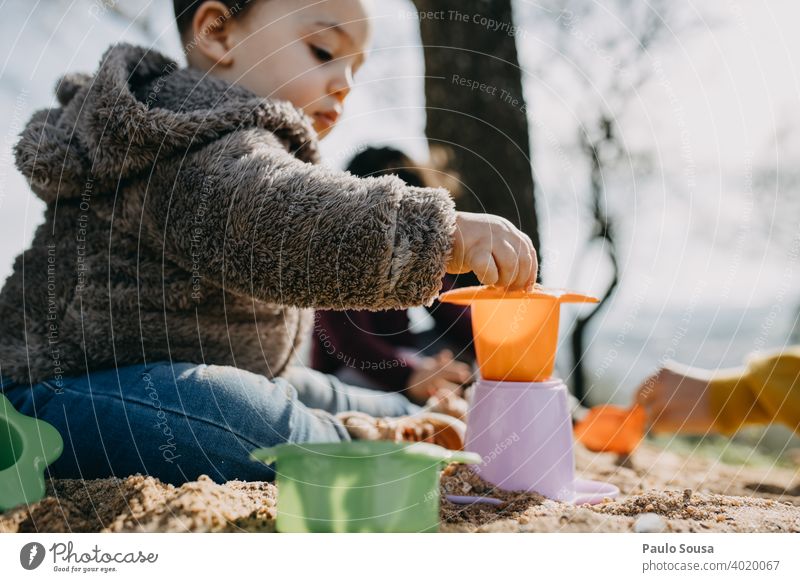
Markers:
677,400
495,250
448,403
441,373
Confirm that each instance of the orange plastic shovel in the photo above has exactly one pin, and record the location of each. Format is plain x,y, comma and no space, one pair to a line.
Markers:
612,429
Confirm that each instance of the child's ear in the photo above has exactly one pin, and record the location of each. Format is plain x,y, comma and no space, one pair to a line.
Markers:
211,29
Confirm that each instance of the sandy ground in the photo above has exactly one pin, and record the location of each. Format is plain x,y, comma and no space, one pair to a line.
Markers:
688,494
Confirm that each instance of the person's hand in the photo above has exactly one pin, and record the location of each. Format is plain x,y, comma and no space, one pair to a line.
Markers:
495,250
677,400
439,374
448,402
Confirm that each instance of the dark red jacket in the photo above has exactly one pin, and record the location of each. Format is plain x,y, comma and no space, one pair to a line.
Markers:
369,341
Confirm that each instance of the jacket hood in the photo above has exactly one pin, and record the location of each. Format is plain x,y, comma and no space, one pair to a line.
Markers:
138,106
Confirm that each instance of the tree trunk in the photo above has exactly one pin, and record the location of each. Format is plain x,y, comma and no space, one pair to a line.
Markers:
475,106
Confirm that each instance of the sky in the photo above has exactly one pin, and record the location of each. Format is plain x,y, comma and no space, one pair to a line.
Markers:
704,201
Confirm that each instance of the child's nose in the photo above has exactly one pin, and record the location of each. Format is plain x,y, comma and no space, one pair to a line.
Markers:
341,85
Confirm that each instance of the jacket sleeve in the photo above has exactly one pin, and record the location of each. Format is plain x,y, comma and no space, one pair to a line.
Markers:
246,215
766,390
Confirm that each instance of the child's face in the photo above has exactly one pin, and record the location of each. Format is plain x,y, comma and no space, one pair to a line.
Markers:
303,51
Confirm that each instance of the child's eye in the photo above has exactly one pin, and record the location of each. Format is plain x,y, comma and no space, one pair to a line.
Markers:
321,54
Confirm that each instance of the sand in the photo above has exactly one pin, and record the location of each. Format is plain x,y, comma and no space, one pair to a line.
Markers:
688,494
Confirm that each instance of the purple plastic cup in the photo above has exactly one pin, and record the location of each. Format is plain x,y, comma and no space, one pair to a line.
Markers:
523,432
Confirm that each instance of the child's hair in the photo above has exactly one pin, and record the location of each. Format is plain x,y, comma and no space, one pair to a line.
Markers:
185,10
386,160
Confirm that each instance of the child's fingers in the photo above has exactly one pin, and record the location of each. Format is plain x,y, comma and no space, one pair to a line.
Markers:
455,375
484,267
456,371
650,396
643,397
444,356
534,262
650,389
506,258
531,263
443,388
525,261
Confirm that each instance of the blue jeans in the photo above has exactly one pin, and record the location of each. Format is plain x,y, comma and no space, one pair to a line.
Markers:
177,421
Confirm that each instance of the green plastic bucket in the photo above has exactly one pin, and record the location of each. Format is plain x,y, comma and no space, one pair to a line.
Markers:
359,486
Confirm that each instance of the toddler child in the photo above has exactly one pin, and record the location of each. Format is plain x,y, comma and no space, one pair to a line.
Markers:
188,233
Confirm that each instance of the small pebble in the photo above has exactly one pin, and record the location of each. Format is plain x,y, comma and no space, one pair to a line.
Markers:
649,523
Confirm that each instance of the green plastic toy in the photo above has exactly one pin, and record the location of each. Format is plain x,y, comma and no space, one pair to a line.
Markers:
359,486
27,447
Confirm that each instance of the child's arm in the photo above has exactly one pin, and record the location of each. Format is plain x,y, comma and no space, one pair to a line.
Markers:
766,390
252,218
693,400
244,214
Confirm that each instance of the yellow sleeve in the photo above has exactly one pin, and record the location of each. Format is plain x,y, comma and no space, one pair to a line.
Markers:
766,390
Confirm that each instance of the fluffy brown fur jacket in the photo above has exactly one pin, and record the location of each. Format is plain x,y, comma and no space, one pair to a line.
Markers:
189,220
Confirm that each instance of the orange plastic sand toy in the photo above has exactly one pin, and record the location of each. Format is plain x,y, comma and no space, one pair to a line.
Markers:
612,429
516,332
